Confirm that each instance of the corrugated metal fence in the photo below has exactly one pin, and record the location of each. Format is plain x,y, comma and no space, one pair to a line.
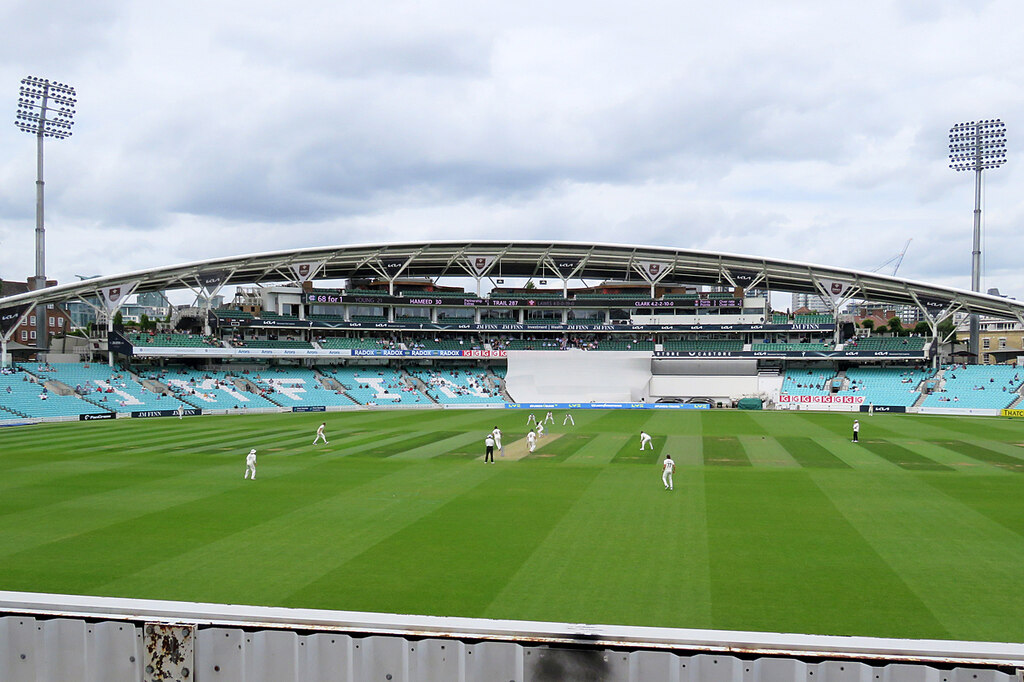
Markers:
44,643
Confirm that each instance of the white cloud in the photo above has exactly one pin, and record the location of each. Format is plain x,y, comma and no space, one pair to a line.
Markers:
793,129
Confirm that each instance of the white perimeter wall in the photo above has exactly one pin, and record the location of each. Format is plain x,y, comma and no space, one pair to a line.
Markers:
703,386
572,376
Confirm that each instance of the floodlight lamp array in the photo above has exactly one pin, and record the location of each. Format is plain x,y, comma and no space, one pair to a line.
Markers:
977,145
45,108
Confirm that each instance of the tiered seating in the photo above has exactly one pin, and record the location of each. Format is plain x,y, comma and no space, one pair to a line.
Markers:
296,386
625,345
627,296
495,319
109,387
415,319
455,386
886,385
807,382
377,386
365,292
725,345
540,322
170,340
342,342
816,318
780,318
536,293
437,294
791,346
273,343
19,396
681,297
369,318
887,343
328,318
985,387
444,344
208,389
533,344
224,314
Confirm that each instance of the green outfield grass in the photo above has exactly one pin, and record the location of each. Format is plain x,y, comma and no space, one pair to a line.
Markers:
777,521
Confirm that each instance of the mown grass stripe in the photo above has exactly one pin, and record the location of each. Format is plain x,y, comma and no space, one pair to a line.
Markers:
902,457
458,558
724,451
83,562
560,449
983,454
809,453
630,452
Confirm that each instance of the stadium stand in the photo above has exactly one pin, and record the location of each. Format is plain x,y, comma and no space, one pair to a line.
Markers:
369,318
171,340
21,396
629,345
991,387
887,343
209,389
291,386
110,388
790,346
813,319
455,386
725,345
886,385
271,343
343,342
376,386
807,382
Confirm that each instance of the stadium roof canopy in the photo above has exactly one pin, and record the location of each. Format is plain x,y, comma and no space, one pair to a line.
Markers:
539,259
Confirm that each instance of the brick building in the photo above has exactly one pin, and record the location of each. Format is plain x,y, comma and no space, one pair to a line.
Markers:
57,320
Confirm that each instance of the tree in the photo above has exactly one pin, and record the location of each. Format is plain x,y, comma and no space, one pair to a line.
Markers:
144,321
868,324
118,319
922,328
895,326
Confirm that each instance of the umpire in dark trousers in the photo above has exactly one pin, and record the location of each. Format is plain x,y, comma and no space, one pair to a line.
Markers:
489,442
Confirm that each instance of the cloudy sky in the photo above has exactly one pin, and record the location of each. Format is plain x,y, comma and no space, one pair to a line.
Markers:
797,129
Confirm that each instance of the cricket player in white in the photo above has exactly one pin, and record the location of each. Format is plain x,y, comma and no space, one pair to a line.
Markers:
666,472
320,434
540,430
549,418
531,440
497,440
569,419
181,411
250,464
531,418
645,439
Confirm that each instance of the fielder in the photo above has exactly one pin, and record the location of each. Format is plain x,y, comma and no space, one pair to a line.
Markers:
666,472
549,418
320,434
181,411
531,440
645,439
531,418
250,464
569,419
497,440
489,453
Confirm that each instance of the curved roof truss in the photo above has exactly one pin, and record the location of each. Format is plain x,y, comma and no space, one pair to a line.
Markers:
539,259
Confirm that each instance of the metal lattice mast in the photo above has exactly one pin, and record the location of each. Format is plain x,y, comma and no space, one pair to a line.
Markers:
977,146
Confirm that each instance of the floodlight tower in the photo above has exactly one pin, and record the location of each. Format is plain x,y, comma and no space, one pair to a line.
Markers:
45,109
977,146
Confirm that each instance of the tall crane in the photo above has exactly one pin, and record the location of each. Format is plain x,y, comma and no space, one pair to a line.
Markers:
896,260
